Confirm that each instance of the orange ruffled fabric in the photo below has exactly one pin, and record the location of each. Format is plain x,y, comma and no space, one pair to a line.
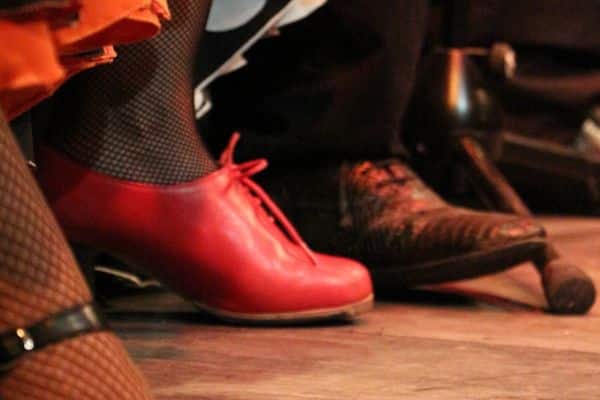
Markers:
44,48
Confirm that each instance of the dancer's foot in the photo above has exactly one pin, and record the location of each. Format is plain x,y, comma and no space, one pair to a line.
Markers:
220,241
53,345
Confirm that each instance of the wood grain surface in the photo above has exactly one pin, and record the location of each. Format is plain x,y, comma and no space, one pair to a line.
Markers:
437,343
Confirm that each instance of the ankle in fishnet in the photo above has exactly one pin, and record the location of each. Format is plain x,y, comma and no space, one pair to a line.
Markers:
134,119
39,278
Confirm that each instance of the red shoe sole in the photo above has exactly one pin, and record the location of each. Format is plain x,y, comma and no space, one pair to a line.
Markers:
346,313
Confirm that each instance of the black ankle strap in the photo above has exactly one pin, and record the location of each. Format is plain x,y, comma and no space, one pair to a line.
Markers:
56,328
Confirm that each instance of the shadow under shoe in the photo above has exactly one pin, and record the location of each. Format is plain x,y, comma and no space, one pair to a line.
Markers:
382,214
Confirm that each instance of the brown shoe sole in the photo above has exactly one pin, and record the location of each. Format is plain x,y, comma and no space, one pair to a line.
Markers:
465,266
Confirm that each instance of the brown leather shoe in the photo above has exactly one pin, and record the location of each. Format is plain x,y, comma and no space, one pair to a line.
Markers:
382,214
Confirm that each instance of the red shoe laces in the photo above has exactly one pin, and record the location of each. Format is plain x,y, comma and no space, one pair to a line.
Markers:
244,172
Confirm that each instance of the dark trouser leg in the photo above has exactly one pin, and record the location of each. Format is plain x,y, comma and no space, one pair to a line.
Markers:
334,84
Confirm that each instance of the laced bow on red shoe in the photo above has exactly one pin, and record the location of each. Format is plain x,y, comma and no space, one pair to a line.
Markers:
244,172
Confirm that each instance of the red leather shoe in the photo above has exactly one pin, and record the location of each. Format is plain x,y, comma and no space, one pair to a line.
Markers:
219,241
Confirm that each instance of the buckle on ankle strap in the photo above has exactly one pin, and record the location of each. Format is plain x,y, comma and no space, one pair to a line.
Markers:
56,328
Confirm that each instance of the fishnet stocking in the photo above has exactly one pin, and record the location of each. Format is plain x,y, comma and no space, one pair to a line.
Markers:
134,119
39,277
91,367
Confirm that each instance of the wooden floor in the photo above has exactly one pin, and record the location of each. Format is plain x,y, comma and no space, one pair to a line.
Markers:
421,346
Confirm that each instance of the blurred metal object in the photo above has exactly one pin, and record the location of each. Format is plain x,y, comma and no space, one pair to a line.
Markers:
501,58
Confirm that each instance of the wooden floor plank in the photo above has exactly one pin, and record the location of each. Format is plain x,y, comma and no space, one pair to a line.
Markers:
422,346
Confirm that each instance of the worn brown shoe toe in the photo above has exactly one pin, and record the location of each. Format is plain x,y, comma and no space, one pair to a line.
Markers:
382,214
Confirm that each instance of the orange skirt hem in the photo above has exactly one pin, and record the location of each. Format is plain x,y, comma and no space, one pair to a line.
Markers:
39,58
